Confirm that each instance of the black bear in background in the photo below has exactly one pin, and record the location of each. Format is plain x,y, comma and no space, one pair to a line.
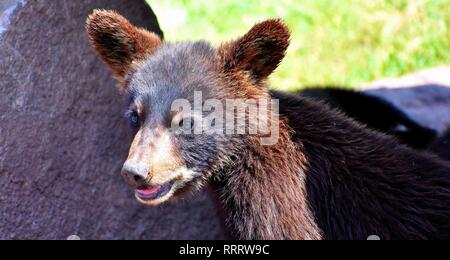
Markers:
376,113
441,146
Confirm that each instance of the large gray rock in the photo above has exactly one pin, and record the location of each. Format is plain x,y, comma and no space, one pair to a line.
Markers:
63,139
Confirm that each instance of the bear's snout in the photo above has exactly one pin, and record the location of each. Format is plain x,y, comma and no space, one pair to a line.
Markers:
135,174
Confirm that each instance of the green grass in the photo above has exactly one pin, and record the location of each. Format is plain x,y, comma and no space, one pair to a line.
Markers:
334,42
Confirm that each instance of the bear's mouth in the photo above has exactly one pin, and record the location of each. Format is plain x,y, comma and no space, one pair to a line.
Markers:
154,194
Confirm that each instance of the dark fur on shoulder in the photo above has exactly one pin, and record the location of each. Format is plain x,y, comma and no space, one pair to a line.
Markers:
376,113
327,177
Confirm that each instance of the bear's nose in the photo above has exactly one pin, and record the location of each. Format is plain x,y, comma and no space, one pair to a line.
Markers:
136,175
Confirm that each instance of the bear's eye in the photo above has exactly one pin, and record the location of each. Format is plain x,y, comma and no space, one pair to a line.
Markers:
134,120
187,123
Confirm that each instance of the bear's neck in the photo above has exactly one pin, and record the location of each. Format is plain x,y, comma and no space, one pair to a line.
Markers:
264,193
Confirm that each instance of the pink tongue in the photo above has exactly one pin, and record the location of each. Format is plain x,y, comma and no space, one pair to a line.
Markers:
150,191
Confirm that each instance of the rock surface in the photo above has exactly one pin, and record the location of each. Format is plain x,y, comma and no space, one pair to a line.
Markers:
63,139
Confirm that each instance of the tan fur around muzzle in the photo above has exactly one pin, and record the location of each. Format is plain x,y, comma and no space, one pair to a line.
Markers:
153,149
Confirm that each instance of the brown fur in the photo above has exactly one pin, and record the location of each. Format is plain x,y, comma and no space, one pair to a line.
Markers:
328,177
264,195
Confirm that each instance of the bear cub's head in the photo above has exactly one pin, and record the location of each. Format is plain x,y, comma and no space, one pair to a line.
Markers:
170,154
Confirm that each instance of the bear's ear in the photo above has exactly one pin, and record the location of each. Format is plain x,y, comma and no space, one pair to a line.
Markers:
260,51
118,42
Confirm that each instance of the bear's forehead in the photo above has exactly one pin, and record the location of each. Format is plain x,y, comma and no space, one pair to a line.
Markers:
175,71
176,62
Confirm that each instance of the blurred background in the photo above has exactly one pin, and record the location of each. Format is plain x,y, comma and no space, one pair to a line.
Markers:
344,43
